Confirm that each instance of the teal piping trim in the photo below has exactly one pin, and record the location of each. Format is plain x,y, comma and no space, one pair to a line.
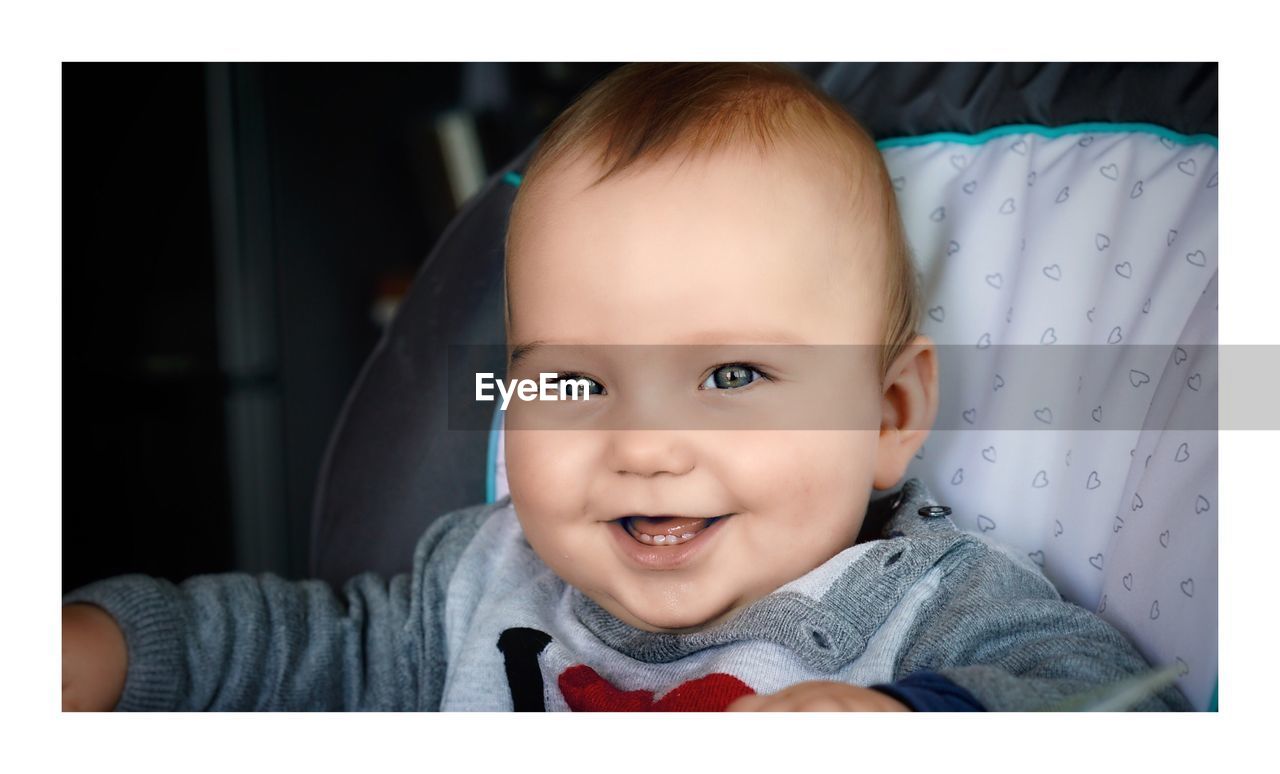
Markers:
491,465
1048,131
515,178
1213,703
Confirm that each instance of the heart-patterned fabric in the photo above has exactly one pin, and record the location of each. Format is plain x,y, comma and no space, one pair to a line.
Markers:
1086,235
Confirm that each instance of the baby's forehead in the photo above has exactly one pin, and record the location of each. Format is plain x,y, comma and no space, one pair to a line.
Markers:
726,239
791,165
736,194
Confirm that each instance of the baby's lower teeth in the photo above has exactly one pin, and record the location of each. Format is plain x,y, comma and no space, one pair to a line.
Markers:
660,540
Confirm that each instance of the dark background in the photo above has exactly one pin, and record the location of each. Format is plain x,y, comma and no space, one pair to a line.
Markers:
227,230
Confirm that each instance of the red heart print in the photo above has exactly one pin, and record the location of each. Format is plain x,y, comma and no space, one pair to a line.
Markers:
586,691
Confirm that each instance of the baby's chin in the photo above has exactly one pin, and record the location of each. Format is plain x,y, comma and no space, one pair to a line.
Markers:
660,619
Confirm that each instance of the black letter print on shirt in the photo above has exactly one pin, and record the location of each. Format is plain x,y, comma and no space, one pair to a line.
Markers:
520,648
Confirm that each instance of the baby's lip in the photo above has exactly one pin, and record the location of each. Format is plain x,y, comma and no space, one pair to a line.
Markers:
686,516
666,523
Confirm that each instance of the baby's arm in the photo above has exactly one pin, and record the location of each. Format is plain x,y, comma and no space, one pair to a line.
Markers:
241,642
1002,632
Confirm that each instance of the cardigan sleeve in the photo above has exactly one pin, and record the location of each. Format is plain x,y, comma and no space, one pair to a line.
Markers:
931,692
241,642
1002,633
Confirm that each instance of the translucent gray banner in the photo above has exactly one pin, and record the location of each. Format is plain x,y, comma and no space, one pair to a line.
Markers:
838,387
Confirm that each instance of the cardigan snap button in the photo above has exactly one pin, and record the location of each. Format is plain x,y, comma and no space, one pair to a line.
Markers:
930,511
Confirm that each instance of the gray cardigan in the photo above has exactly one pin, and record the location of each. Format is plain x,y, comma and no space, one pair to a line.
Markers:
481,623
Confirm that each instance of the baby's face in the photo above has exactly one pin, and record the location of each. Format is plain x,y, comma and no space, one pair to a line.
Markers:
728,250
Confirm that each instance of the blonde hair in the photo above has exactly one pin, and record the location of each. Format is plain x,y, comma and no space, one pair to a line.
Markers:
643,111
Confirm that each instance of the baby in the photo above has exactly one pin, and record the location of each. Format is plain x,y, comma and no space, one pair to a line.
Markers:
716,251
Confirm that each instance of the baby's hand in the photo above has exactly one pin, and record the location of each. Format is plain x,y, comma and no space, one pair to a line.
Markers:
95,659
820,696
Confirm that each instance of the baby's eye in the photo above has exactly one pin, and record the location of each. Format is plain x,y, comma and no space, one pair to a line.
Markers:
593,387
731,376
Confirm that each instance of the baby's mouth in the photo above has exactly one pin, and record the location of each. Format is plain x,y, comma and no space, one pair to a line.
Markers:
667,530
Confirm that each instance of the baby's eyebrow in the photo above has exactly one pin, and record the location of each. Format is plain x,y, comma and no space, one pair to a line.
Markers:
728,338
709,338
519,352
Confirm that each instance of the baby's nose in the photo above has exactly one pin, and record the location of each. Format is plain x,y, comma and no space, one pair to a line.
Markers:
650,452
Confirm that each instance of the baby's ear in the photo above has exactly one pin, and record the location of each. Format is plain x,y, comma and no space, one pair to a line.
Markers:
910,405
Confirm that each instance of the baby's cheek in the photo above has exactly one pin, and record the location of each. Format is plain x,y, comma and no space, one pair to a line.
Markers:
546,470
807,465
816,492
